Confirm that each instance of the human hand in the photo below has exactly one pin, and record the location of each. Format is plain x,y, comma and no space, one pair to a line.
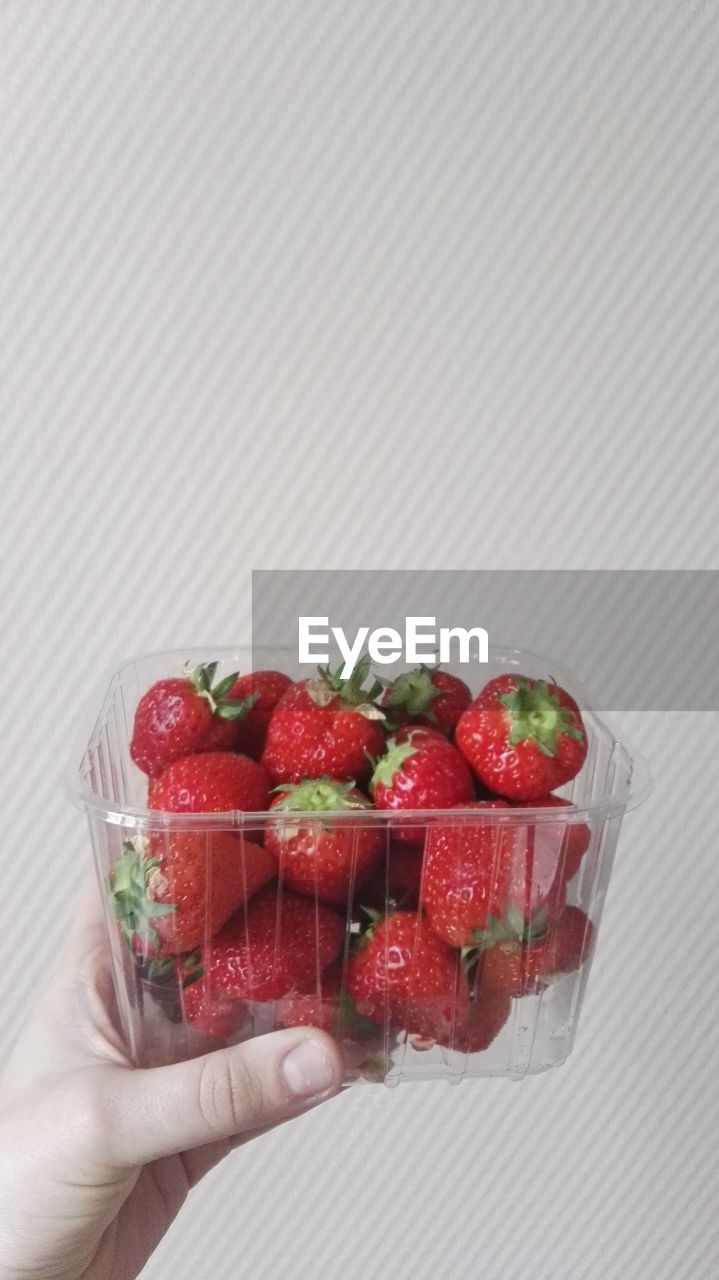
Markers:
97,1157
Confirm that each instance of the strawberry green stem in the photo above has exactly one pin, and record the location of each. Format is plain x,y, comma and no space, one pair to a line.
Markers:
201,678
351,691
391,762
535,714
412,692
319,795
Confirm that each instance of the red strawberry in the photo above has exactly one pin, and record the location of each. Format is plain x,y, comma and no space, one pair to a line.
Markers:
315,1004
478,1025
517,970
458,870
535,885
276,943
484,1022
423,771
266,688
324,856
547,855
325,727
568,842
403,975
536,894
522,737
184,888
178,717
213,1012
427,697
214,782
467,874
327,1004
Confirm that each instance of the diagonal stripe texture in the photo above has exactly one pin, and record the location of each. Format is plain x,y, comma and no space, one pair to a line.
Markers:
415,285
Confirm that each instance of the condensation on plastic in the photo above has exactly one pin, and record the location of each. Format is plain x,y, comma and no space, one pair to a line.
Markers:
540,1030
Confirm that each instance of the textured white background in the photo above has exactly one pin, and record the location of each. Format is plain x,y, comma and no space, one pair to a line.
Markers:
320,284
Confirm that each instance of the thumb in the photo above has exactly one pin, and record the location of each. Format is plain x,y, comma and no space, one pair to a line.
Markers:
164,1110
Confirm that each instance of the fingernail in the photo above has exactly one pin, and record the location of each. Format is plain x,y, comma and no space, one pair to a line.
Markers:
308,1070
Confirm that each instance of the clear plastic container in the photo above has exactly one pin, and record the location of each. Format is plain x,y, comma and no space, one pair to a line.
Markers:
540,1027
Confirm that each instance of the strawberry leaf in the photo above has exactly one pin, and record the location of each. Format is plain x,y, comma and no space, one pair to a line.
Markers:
223,686
127,886
495,931
351,691
201,678
515,920
235,709
207,674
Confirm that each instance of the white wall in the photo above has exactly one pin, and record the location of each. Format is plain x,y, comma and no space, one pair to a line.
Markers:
318,284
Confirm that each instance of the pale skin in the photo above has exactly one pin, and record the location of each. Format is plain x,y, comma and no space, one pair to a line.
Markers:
97,1157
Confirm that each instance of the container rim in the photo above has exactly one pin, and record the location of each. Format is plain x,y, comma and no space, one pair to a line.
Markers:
108,810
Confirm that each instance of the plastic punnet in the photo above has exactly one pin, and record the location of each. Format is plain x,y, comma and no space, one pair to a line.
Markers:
159,994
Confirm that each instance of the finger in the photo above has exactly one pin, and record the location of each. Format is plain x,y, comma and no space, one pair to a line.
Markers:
82,972
166,1110
55,1033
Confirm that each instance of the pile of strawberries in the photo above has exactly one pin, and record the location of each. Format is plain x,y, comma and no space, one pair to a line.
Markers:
428,923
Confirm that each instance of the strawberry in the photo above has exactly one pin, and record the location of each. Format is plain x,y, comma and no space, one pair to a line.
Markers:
536,893
487,1016
533,884
274,944
178,717
478,1023
475,877
547,855
404,975
327,1004
324,856
535,890
179,887
566,842
544,859
510,967
314,1004
325,727
522,737
265,688
214,782
466,877
420,770
427,697
212,1012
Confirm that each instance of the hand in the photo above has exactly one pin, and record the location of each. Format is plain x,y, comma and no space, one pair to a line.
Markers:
97,1157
